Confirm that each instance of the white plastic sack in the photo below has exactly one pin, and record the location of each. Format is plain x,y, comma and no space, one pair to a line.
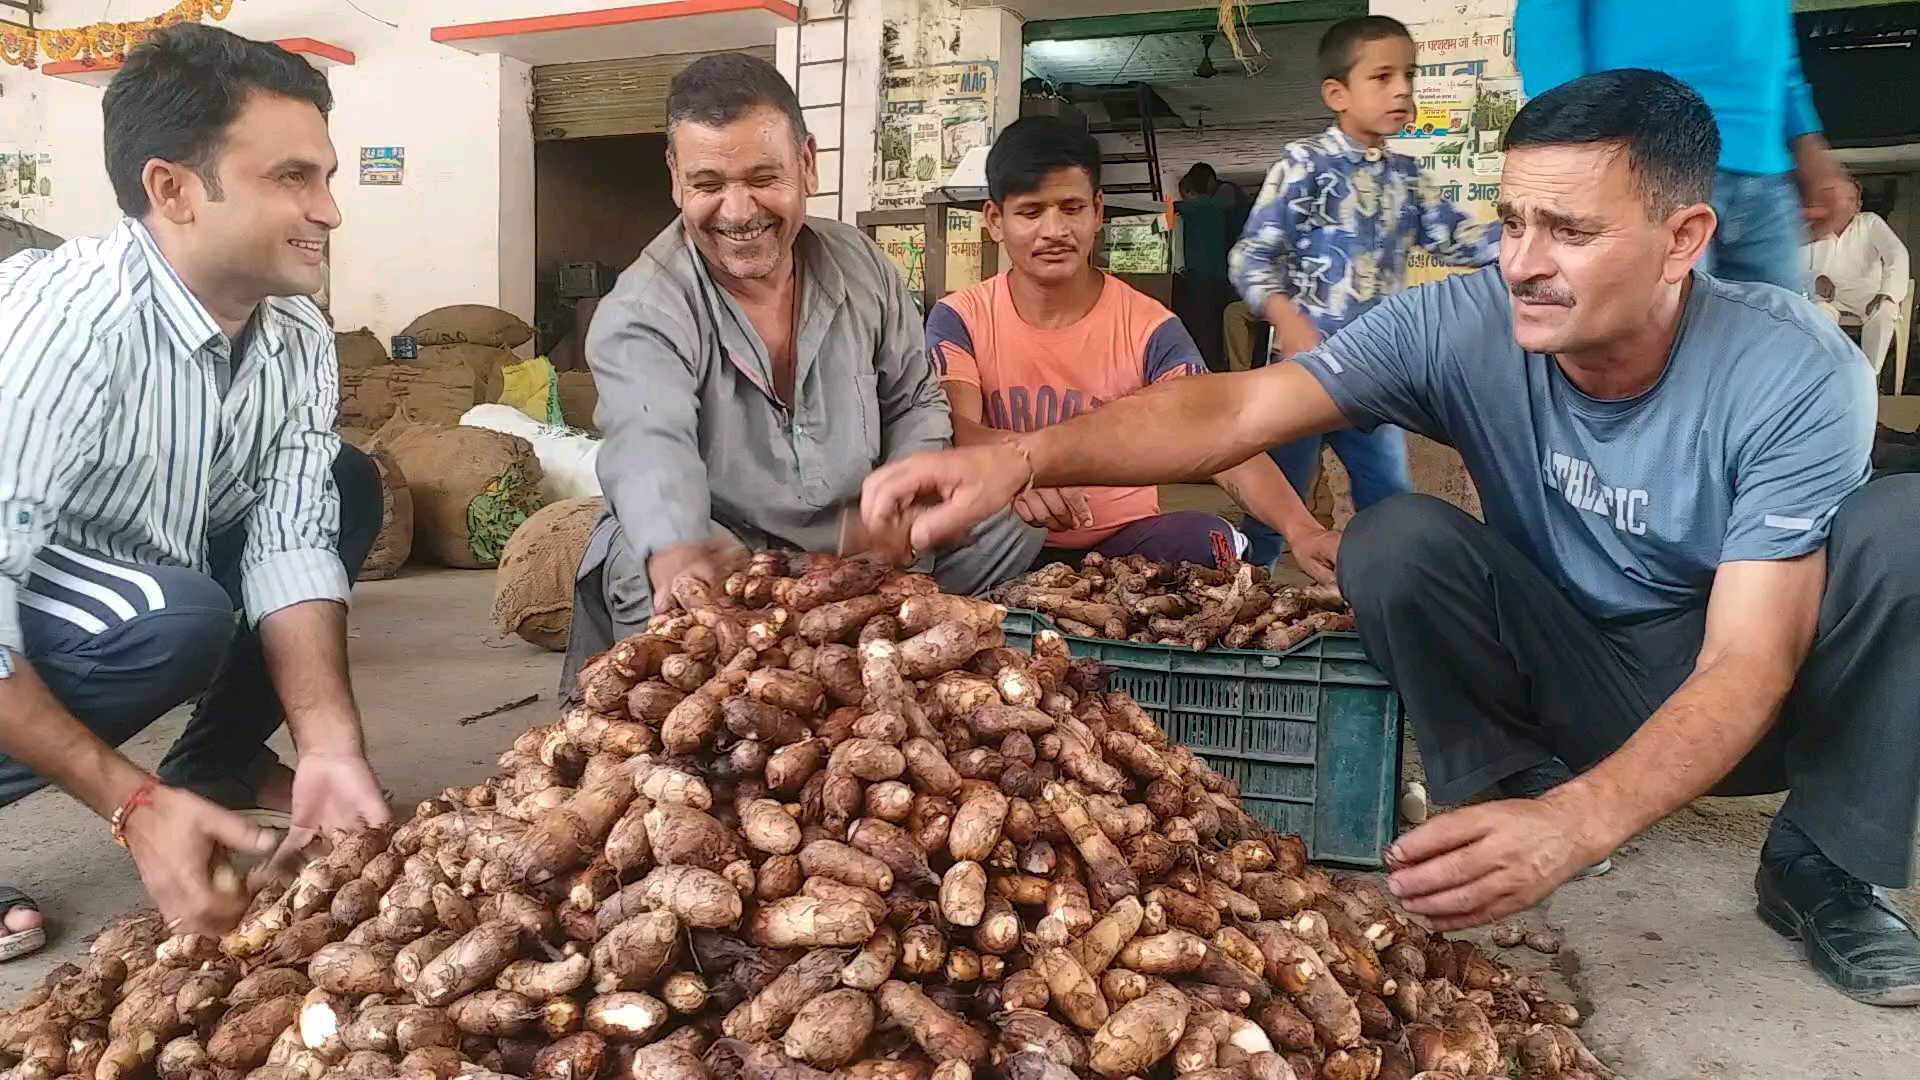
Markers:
566,456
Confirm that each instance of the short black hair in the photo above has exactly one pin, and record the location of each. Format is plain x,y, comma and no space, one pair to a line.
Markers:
177,93
1340,45
720,88
1033,146
1671,141
1199,179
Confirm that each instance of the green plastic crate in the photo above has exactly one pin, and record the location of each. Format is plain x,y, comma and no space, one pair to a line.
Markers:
1311,735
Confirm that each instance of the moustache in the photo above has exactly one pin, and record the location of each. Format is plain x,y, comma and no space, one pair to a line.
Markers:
1541,293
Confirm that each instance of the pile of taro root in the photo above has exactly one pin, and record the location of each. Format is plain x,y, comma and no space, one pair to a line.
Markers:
1136,599
821,823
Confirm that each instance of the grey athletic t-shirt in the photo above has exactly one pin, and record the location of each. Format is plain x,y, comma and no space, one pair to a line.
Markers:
1760,425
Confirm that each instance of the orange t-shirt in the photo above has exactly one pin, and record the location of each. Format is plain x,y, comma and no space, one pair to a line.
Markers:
1031,378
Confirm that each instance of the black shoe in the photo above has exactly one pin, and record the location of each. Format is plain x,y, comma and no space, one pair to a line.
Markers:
1853,938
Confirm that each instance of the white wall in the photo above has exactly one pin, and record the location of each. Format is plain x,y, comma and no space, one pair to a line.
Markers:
459,230
446,234
61,118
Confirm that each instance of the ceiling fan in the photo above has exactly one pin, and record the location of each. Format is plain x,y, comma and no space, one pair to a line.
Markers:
1206,70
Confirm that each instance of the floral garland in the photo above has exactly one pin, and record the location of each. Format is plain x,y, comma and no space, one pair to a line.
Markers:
101,43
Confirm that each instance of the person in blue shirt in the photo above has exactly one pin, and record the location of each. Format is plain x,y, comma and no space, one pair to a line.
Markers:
1684,581
1777,177
1329,238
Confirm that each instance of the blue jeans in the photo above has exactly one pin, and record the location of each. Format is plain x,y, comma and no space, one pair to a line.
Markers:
1761,230
1376,464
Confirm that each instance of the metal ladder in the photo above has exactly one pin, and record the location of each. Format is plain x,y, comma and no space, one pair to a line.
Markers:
1148,156
837,13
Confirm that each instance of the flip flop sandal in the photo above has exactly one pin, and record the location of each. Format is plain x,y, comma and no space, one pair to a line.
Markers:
14,946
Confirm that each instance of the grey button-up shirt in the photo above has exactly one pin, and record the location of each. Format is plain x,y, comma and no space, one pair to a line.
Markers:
696,437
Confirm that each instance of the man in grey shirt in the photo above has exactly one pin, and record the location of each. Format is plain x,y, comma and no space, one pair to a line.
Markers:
754,365
1684,583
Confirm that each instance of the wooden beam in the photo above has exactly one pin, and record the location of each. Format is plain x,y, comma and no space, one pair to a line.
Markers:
1184,22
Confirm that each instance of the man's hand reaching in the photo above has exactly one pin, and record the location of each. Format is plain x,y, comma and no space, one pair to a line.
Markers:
1055,509
1482,863
177,839
1318,553
332,792
708,560
945,492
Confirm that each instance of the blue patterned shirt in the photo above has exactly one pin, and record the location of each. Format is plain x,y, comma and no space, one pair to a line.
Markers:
1333,226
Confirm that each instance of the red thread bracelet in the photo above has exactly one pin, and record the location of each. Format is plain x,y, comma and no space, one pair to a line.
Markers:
139,797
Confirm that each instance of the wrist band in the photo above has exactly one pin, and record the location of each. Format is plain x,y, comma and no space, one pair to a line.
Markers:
139,797
1026,456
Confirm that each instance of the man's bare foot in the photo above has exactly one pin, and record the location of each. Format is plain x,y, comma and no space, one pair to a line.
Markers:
20,919
21,931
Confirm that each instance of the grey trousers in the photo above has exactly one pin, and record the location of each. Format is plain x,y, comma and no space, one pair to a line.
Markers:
1500,671
120,643
613,597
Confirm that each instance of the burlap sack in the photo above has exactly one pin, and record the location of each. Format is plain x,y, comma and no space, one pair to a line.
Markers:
578,398
533,589
471,489
438,393
367,396
475,323
357,437
486,362
395,542
359,349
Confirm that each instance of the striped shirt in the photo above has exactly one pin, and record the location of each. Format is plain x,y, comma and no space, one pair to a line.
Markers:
116,436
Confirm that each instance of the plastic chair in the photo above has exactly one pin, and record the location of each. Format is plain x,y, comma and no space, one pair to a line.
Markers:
1902,330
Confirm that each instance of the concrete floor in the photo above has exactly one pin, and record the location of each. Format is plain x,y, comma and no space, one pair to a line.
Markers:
1680,979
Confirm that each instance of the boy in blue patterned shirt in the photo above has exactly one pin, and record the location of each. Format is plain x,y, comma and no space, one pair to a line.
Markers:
1329,237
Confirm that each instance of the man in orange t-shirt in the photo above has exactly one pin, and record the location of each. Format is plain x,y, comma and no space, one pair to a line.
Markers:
1054,336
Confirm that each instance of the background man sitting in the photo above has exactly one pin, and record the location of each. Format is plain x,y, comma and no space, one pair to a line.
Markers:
1053,337
1860,269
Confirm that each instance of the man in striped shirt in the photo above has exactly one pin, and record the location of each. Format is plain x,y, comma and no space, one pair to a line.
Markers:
177,517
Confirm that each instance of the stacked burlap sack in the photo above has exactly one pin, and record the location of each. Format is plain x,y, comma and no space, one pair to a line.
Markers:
533,589
471,488
395,543
463,350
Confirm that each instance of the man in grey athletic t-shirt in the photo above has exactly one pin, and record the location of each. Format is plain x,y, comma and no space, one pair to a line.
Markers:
1683,584
1743,449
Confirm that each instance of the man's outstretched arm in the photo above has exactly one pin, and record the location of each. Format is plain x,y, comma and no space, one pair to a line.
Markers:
1486,862
1181,430
1184,429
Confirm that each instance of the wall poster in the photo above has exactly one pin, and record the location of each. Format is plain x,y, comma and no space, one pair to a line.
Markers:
1466,92
26,184
929,118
